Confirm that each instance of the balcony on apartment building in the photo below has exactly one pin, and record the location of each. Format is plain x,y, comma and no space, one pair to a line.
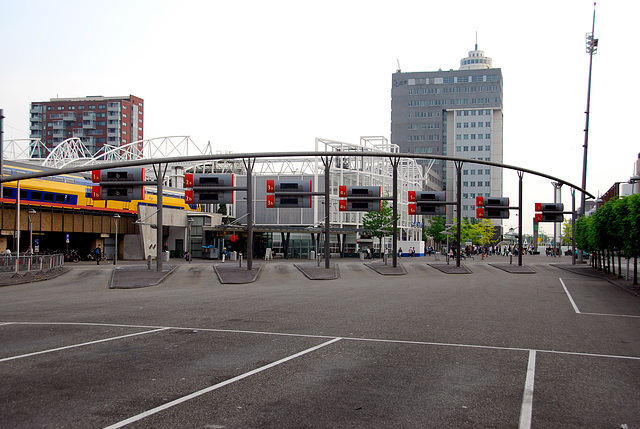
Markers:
37,109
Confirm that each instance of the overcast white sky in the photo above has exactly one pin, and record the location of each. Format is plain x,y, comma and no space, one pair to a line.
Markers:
273,75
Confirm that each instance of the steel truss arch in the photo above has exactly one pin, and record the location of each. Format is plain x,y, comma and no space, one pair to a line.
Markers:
25,149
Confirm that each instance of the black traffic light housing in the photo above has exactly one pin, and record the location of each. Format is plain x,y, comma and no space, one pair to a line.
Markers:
209,188
118,184
551,212
360,199
289,193
428,203
492,208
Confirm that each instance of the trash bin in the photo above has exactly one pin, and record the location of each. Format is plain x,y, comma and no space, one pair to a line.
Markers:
233,256
165,256
362,256
312,255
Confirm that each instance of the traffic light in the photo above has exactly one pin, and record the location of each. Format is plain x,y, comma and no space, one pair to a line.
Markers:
551,212
208,188
120,184
359,199
427,203
288,193
492,208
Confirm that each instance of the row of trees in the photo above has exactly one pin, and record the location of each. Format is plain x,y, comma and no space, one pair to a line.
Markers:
614,229
480,231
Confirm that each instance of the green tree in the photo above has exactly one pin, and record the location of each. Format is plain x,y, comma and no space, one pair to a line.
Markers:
567,231
379,224
479,231
631,231
483,232
435,229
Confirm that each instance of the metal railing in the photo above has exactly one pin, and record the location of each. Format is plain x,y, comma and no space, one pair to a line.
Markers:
29,264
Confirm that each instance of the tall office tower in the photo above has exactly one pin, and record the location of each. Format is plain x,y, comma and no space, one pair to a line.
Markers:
97,121
456,113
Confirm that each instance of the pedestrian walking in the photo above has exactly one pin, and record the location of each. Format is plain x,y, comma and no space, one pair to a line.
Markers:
98,254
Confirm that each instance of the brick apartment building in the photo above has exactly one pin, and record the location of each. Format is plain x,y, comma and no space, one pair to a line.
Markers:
96,120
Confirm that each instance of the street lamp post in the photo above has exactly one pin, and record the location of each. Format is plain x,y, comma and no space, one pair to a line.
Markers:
31,212
116,218
190,221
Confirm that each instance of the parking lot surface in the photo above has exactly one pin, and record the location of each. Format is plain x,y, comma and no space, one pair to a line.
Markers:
490,348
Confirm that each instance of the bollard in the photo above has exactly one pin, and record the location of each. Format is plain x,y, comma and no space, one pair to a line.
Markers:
240,260
148,262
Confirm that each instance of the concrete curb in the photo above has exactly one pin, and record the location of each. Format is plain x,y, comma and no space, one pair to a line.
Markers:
514,269
149,280
313,272
32,278
451,269
387,270
237,275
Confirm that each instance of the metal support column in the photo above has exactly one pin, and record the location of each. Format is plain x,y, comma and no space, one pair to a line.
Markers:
557,198
327,225
394,245
458,165
249,165
160,246
520,242
573,226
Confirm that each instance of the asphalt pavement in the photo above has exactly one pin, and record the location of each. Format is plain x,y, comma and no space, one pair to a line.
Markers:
291,344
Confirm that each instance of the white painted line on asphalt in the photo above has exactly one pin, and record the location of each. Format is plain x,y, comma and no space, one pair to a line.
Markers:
6,323
575,307
80,345
374,340
527,396
611,315
217,386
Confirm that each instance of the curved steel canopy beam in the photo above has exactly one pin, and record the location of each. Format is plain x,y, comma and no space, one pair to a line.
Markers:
285,155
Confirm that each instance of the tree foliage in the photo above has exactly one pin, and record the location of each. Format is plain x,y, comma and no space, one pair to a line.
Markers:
480,231
567,231
614,227
435,229
379,224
